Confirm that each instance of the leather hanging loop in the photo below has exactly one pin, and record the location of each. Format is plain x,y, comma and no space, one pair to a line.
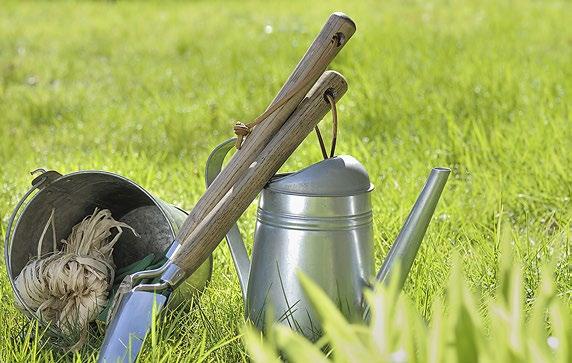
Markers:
332,101
242,130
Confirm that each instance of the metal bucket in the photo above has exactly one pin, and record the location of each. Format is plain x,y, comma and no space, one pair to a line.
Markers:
76,195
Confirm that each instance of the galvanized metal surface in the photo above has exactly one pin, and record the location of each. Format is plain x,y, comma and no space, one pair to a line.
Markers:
327,233
407,243
337,176
75,195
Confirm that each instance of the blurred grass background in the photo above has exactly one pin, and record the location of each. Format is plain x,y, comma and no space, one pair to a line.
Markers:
147,89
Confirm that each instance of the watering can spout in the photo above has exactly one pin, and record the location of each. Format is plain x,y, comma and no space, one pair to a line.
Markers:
407,243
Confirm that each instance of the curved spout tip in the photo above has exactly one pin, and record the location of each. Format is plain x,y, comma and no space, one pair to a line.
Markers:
407,244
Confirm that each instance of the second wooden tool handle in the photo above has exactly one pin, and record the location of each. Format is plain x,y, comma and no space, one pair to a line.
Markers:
331,39
212,229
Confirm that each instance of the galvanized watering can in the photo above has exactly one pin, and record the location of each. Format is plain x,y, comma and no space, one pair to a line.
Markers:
319,221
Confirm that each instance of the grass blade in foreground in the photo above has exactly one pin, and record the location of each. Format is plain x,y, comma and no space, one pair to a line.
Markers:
459,332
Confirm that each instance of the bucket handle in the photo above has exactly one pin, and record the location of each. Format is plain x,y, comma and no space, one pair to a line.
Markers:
233,237
41,181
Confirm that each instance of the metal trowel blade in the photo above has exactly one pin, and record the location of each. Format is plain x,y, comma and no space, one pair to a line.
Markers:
126,332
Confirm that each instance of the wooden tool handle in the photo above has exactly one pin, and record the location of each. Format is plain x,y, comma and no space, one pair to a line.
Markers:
333,36
212,229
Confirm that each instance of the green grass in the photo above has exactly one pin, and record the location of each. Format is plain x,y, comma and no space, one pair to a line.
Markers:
496,330
146,90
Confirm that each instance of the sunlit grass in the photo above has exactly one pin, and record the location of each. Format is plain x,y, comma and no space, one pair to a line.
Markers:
500,329
146,90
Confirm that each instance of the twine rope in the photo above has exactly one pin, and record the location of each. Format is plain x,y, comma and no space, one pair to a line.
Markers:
69,288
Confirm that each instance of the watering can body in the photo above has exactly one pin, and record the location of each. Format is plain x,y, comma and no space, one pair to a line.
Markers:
319,221
324,230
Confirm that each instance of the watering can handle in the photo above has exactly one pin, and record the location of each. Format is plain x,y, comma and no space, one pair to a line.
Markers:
233,237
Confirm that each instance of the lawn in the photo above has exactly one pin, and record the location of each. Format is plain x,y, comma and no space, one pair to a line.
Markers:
146,90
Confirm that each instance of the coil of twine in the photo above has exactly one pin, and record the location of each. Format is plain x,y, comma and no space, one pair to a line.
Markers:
69,288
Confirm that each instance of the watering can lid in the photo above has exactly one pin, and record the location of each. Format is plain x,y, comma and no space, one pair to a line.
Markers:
338,176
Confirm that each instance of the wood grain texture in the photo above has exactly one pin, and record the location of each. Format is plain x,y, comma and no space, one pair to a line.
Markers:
334,35
212,228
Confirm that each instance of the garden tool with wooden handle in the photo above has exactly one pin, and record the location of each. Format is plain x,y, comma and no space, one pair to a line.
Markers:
131,314
334,35
137,308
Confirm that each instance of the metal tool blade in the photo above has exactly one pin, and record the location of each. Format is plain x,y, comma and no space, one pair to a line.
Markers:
126,332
